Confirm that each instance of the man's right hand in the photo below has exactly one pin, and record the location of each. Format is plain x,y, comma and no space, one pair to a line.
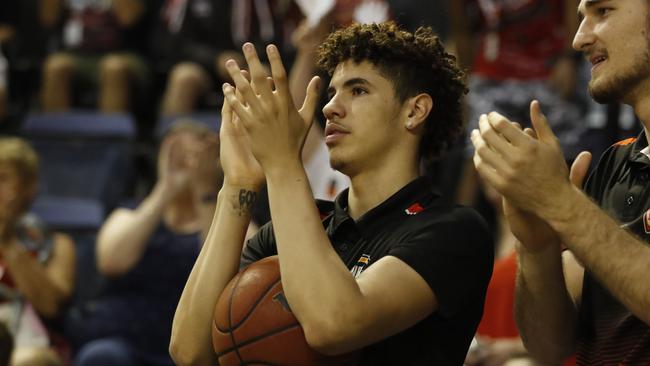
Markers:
532,232
240,167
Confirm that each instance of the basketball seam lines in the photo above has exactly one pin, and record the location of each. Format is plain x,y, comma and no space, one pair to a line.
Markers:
232,328
232,334
255,339
252,308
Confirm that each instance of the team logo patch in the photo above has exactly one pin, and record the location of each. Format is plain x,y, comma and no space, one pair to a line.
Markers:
362,263
646,222
282,300
414,209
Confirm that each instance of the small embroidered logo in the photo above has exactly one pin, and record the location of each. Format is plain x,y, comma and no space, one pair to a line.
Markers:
282,300
414,209
362,263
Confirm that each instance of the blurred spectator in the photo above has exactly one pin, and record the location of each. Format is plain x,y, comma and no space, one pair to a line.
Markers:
35,357
522,52
6,344
262,22
497,341
415,13
345,12
23,43
36,267
194,39
191,43
6,33
147,252
97,50
4,71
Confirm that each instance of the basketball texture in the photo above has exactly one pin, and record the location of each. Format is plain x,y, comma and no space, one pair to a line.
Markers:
253,324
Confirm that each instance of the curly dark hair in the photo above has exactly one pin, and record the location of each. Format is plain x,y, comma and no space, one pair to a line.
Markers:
415,63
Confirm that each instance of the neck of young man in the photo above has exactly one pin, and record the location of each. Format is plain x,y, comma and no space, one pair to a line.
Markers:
642,111
369,188
641,105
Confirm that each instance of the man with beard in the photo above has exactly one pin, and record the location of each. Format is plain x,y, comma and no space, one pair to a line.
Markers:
604,314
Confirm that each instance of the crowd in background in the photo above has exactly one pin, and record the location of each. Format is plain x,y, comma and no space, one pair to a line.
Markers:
162,62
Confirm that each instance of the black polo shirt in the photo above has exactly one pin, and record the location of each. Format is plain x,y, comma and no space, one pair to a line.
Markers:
608,333
449,246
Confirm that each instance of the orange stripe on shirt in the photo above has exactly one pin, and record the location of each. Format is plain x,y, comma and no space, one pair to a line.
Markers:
625,142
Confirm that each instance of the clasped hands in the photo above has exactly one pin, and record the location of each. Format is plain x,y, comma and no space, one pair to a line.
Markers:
275,128
188,161
527,167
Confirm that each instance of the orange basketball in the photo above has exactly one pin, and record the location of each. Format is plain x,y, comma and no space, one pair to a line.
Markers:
253,324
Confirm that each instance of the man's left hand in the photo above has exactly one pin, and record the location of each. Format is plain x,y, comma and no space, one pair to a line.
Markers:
530,173
276,128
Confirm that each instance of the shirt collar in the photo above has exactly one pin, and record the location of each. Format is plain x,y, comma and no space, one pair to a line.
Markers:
414,191
636,156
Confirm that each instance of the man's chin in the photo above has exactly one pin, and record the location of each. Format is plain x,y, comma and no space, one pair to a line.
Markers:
603,93
336,164
620,86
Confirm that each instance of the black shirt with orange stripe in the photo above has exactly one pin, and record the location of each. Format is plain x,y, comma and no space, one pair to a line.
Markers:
608,333
449,246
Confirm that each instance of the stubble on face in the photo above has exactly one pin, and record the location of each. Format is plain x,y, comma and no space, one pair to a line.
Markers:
615,88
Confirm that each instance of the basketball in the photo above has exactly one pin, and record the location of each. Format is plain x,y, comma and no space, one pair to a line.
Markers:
253,324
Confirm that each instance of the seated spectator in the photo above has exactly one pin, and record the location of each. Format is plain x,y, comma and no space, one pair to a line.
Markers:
96,51
23,45
147,252
191,44
36,267
194,39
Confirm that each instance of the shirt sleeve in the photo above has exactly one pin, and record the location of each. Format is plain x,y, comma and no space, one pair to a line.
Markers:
455,256
263,244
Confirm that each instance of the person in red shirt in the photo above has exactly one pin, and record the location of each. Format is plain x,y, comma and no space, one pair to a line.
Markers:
517,51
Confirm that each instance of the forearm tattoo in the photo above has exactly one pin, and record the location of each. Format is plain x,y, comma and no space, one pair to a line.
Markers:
246,201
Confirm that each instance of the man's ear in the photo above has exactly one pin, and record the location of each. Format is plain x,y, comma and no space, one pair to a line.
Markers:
418,108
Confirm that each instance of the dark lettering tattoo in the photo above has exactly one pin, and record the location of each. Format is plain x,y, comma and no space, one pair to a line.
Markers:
246,200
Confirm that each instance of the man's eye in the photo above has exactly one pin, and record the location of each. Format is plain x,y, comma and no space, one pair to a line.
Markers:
358,91
603,11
